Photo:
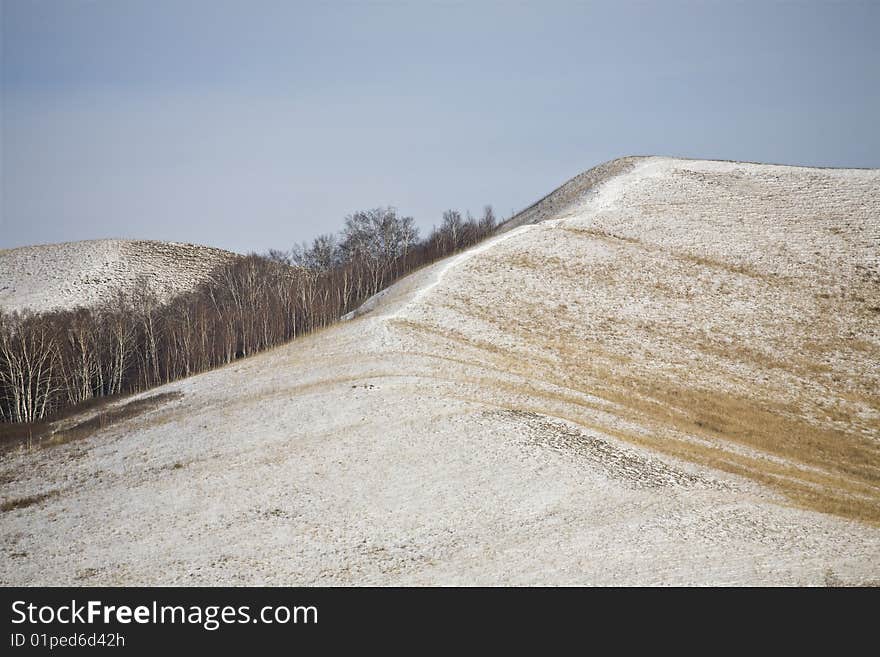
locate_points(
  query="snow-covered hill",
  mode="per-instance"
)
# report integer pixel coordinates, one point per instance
(65, 276)
(670, 378)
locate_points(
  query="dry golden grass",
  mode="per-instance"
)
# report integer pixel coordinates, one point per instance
(703, 261)
(24, 502)
(714, 263)
(527, 260)
(599, 234)
(768, 440)
(105, 414)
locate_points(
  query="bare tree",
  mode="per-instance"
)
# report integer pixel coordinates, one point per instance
(488, 220)
(281, 257)
(451, 229)
(29, 358)
(376, 239)
(321, 256)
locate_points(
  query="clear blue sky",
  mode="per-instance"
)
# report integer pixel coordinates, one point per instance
(255, 124)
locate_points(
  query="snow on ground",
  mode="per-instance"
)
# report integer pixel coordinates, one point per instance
(666, 381)
(65, 276)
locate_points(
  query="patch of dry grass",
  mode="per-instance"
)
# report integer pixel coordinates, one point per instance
(600, 234)
(700, 260)
(104, 415)
(818, 467)
(526, 260)
(24, 502)
(714, 263)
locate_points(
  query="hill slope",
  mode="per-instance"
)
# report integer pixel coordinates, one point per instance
(672, 378)
(65, 276)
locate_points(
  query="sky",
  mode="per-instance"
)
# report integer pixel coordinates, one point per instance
(257, 124)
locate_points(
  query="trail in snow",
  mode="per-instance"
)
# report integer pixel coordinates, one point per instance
(437, 273)
(596, 192)
(453, 262)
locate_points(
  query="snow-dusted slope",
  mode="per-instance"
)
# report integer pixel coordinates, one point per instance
(671, 379)
(53, 276)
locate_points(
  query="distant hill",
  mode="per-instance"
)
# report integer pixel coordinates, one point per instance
(65, 276)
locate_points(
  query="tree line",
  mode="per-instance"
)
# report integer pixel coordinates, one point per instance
(52, 361)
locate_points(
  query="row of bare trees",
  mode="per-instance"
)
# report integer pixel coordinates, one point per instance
(55, 360)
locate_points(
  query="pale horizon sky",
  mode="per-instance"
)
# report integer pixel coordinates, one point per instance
(255, 125)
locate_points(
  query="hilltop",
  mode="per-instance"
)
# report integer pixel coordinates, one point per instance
(76, 274)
